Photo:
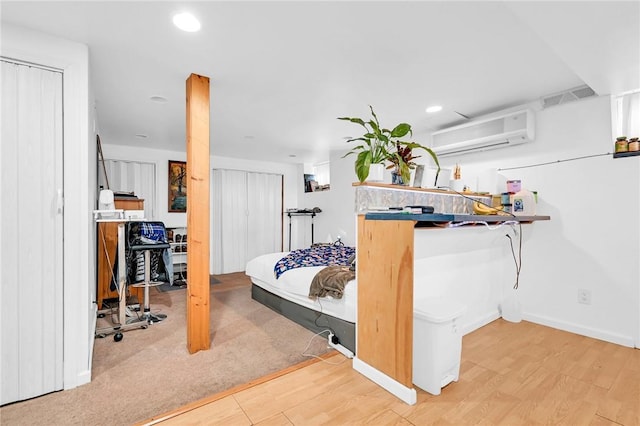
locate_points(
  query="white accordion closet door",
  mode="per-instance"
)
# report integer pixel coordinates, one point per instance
(31, 243)
(246, 218)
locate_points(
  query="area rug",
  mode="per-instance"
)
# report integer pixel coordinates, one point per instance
(151, 371)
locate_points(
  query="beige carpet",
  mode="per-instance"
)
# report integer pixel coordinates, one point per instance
(150, 371)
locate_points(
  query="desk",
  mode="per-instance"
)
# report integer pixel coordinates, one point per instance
(107, 243)
(385, 257)
(122, 284)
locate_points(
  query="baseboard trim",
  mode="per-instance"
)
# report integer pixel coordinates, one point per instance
(407, 395)
(594, 333)
(488, 318)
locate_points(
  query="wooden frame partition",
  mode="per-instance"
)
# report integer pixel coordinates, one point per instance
(385, 305)
(198, 215)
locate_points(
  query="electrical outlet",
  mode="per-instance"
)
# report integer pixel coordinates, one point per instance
(584, 296)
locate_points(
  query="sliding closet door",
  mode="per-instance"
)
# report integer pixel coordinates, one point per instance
(229, 230)
(132, 176)
(31, 232)
(264, 197)
(246, 218)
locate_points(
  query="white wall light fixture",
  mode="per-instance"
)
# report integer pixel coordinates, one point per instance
(186, 22)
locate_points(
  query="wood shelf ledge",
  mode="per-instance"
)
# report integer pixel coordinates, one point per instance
(626, 154)
(416, 189)
(453, 217)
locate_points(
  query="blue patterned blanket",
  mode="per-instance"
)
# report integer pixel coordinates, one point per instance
(324, 255)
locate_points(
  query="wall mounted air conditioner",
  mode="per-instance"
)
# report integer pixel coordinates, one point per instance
(502, 130)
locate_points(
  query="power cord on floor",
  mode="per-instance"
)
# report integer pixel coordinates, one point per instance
(316, 356)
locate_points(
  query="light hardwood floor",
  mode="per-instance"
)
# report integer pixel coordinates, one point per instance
(511, 374)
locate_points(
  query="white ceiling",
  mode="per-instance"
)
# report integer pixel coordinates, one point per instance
(282, 72)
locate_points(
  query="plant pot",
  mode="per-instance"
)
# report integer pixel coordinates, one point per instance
(396, 179)
(376, 173)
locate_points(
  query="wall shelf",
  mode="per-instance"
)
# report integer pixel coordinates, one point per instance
(625, 154)
(436, 218)
(178, 253)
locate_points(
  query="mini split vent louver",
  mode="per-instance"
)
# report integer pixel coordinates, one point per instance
(567, 96)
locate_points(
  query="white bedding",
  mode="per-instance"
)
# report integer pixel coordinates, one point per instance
(294, 284)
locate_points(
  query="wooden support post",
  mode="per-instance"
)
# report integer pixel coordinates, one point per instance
(198, 213)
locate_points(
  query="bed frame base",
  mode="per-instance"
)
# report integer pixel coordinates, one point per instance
(312, 320)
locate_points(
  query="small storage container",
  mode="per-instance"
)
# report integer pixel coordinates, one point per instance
(524, 203)
(437, 343)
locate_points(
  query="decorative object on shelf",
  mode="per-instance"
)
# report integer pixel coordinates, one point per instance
(418, 177)
(626, 148)
(177, 186)
(377, 141)
(376, 172)
(402, 162)
(378, 145)
(514, 186)
(621, 144)
(457, 184)
(396, 178)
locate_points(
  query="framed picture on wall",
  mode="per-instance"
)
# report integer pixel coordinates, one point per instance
(310, 183)
(177, 186)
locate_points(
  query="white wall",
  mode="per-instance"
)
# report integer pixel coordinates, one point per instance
(337, 204)
(591, 242)
(291, 177)
(592, 239)
(79, 189)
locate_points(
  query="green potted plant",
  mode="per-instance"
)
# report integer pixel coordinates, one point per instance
(377, 143)
(402, 161)
(380, 145)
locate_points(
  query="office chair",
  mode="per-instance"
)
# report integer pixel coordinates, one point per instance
(147, 244)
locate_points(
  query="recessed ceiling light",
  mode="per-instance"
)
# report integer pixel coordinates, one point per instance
(186, 22)
(159, 99)
(434, 108)
(141, 136)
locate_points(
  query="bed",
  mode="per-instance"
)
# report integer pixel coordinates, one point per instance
(283, 283)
